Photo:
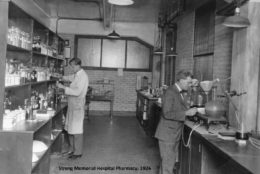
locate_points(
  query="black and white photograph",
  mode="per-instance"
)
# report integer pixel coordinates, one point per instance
(130, 87)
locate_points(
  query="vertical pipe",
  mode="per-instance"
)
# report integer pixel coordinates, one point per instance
(4, 8)
(258, 100)
(162, 74)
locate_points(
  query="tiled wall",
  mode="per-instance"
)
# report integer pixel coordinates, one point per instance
(125, 89)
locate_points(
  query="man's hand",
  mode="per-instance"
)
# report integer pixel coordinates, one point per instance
(191, 112)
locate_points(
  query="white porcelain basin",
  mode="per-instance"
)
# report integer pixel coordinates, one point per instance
(39, 147)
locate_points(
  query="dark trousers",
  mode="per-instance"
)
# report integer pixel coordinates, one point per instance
(76, 143)
(169, 154)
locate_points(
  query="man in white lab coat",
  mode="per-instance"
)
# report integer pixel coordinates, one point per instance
(76, 93)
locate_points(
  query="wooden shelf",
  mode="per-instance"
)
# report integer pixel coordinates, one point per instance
(30, 83)
(39, 54)
(15, 48)
(45, 55)
(16, 142)
(55, 58)
(17, 86)
(40, 82)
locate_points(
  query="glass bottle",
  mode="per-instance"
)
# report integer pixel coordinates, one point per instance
(34, 76)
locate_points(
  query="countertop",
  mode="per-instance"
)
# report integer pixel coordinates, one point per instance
(247, 156)
(213, 128)
(147, 95)
(26, 126)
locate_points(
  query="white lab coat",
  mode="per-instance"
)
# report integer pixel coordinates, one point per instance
(76, 101)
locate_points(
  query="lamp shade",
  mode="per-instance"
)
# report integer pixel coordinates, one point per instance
(113, 35)
(236, 21)
(121, 2)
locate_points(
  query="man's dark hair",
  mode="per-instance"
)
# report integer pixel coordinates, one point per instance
(182, 74)
(76, 60)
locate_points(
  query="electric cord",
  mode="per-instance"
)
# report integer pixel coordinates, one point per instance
(189, 138)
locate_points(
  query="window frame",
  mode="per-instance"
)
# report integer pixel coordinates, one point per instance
(126, 39)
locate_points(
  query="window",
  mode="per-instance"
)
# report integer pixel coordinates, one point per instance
(90, 50)
(204, 29)
(204, 41)
(98, 52)
(113, 53)
(137, 55)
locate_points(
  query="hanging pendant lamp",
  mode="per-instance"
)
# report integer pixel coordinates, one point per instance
(236, 21)
(113, 35)
(121, 2)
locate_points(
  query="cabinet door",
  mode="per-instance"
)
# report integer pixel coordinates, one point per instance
(140, 108)
(195, 160)
(214, 162)
(155, 118)
(185, 153)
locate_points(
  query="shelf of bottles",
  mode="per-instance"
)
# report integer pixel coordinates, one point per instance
(18, 39)
(18, 74)
(36, 61)
(41, 48)
(34, 56)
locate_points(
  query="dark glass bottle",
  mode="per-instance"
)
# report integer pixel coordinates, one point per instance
(34, 76)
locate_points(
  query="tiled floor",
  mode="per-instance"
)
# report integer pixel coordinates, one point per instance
(118, 147)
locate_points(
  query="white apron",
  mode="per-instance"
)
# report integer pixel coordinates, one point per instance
(76, 102)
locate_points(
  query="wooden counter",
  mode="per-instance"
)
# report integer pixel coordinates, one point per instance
(147, 113)
(17, 143)
(147, 96)
(247, 157)
(209, 154)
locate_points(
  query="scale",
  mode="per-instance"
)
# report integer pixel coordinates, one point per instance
(207, 121)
